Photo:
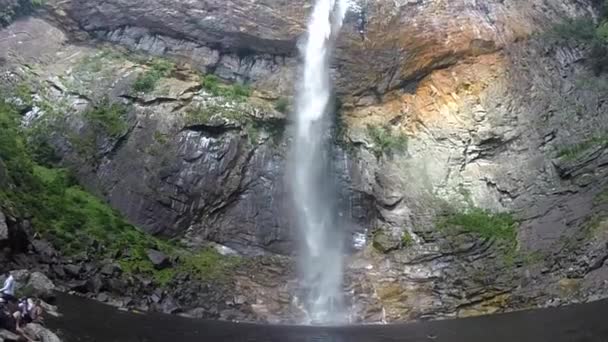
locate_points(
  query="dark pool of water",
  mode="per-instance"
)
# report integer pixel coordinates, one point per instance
(88, 321)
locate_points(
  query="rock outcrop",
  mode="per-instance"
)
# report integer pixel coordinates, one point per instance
(498, 118)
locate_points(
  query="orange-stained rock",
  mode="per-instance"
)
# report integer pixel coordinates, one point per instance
(437, 99)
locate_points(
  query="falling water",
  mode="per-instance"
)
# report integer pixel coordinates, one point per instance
(314, 198)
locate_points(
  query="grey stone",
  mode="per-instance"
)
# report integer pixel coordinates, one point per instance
(158, 259)
(111, 269)
(94, 284)
(44, 248)
(6, 335)
(41, 286)
(40, 333)
(103, 297)
(169, 306)
(72, 270)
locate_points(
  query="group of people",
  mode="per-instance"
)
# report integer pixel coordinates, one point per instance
(18, 312)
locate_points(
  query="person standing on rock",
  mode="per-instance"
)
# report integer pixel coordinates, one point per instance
(8, 290)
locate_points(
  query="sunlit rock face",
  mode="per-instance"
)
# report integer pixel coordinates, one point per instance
(485, 100)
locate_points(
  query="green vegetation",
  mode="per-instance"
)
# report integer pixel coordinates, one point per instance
(385, 141)
(282, 105)
(24, 93)
(406, 239)
(499, 226)
(236, 92)
(203, 115)
(584, 30)
(108, 118)
(161, 138)
(575, 151)
(75, 221)
(147, 80)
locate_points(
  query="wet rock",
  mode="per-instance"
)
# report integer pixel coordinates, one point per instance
(103, 297)
(6, 335)
(79, 286)
(158, 259)
(196, 313)
(169, 306)
(40, 333)
(72, 270)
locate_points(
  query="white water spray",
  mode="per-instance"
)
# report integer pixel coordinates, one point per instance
(321, 259)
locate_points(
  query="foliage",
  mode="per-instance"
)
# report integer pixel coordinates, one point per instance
(202, 115)
(406, 239)
(24, 93)
(500, 226)
(161, 138)
(385, 141)
(575, 151)
(282, 105)
(236, 92)
(75, 221)
(108, 118)
(147, 80)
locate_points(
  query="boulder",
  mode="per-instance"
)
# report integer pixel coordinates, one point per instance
(111, 269)
(44, 249)
(40, 285)
(40, 333)
(94, 284)
(58, 271)
(78, 286)
(72, 270)
(158, 259)
(6, 335)
(103, 297)
(32, 284)
(169, 306)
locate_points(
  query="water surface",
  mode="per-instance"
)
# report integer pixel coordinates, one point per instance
(89, 321)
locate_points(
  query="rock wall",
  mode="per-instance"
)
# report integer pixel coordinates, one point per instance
(486, 101)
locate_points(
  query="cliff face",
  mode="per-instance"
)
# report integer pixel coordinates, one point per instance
(498, 117)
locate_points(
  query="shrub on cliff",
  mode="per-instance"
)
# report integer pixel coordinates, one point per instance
(486, 224)
(385, 141)
(213, 85)
(147, 80)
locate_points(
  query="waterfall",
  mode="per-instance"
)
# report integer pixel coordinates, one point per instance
(321, 254)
